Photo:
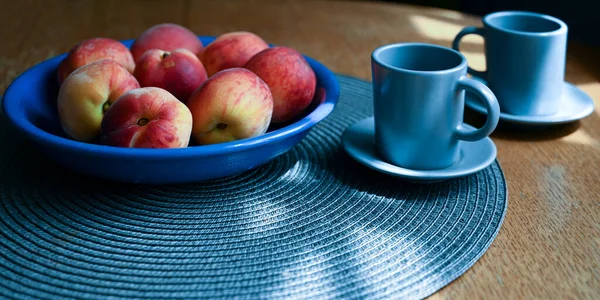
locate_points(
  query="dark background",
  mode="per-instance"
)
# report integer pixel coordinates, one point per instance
(581, 16)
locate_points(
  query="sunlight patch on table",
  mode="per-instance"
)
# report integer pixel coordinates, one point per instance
(591, 89)
(291, 175)
(367, 252)
(476, 60)
(580, 137)
(441, 30)
(311, 270)
(451, 14)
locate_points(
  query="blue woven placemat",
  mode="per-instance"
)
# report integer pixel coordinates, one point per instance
(312, 224)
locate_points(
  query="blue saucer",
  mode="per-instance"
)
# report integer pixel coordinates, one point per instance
(358, 141)
(575, 105)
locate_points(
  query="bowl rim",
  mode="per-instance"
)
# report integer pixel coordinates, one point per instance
(16, 115)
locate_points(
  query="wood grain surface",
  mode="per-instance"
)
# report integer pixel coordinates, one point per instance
(548, 247)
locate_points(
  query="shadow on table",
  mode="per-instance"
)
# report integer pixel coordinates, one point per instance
(361, 178)
(510, 131)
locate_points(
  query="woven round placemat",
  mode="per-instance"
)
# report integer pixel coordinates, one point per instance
(311, 224)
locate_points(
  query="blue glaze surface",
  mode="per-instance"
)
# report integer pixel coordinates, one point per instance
(418, 101)
(358, 141)
(574, 105)
(525, 56)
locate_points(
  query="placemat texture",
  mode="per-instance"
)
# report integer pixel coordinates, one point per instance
(312, 224)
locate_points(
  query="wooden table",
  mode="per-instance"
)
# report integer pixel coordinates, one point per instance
(549, 244)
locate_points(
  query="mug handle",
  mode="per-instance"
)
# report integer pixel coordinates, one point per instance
(491, 104)
(456, 42)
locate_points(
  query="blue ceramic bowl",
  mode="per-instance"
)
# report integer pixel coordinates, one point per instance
(29, 104)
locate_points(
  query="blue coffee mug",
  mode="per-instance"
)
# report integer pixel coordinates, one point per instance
(525, 57)
(418, 100)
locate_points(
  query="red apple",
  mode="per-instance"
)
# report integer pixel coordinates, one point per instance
(167, 37)
(147, 117)
(289, 76)
(87, 93)
(229, 50)
(231, 105)
(95, 49)
(179, 72)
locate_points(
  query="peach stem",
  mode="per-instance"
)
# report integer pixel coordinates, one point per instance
(105, 107)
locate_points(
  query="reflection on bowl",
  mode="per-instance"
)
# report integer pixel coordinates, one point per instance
(30, 105)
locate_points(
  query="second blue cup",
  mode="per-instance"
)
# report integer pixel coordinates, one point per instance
(525, 55)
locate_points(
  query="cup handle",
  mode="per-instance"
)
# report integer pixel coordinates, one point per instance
(491, 104)
(456, 43)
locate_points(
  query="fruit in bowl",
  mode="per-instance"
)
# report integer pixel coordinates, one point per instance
(233, 104)
(87, 93)
(147, 117)
(31, 104)
(290, 78)
(166, 37)
(93, 49)
(231, 49)
(180, 72)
